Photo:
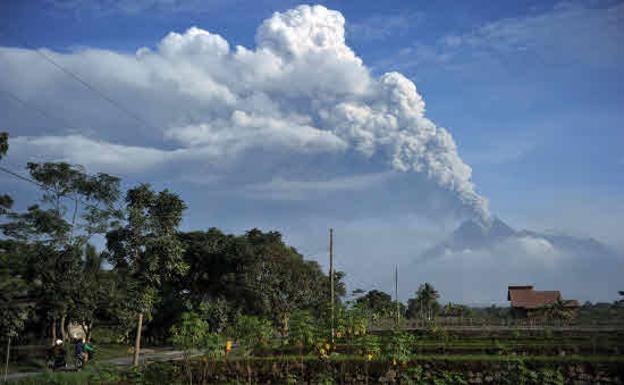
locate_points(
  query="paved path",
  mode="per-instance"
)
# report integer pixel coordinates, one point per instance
(146, 355)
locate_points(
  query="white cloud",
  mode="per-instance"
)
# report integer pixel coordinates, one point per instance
(569, 33)
(107, 7)
(92, 154)
(280, 188)
(380, 27)
(243, 130)
(301, 92)
(533, 260)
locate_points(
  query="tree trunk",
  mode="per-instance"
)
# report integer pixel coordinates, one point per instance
(285, 319)
(189, 368)
(248, 370)
(53, 330)
(85, 331)
(137, 341)
(63, 330)
(6, 365)
(89, 330)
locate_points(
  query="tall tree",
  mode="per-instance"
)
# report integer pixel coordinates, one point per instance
(6, 202)
(377, 303)
(559, 311)
(281, 280)
(147, 249)
(73, 207)
(425, 305)
(96, 295)
(13, 288)
(14, 299)
(4, 144)
(256, 273)
(14, 303)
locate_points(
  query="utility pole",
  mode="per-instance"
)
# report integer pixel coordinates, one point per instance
(396, 293)
(331, 279)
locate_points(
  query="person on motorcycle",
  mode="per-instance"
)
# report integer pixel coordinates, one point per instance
(89, 349)
(56, 356)
(81, 354)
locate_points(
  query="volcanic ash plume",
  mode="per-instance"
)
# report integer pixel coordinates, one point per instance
(300, 91)
(383, 116)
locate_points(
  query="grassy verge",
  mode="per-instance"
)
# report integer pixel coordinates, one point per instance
(450, 358)
(38, 363)
(223, 372)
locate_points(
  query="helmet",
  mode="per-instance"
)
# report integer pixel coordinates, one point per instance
(59, 342)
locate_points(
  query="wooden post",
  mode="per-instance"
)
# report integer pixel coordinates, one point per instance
(137, 341)
(396, 292)
(6, 365)
(331, 280)
(53, 331)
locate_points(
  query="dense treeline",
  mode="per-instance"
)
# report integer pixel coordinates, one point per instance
(149, 273)
(149, 279)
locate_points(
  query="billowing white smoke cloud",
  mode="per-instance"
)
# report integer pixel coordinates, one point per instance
(301, 90)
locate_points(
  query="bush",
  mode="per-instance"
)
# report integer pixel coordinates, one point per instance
(107, 336)
(303, 332)
(251, 332)
(399, 346)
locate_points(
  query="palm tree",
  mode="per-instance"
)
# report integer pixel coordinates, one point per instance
(426, 299)
(559, 311)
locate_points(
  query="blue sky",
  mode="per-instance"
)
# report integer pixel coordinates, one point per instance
(530, 91)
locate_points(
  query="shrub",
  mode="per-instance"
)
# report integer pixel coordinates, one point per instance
(303, 332)
(399, 346)
(108, 336)
(251, 332)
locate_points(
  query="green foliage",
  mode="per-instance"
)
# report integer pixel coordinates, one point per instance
(399, 346)
(379, 305)
(93, 374)
(148, 247)
(303, 330)
(256, 273)
(190, 332)
(108, 336)
(551, 377)
(73, 207)
(251, 332)
(558, 311)
(351, 322)
(448, 378)
(147, 251)
(425, 305)
(281, 280)
(218, 313)
(368, 346)
(4, 143)
(14, 304)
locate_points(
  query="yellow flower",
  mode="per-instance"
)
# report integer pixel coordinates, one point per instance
(228, 346)
(327, 346)
(370, 356)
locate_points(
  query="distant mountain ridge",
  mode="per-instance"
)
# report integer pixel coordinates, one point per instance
(472, 235)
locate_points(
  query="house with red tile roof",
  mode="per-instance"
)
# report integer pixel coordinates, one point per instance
(525, 300)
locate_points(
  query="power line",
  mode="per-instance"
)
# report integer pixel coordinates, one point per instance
(82, 81)
(15, 174)
(40, 185)
(40, 111)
